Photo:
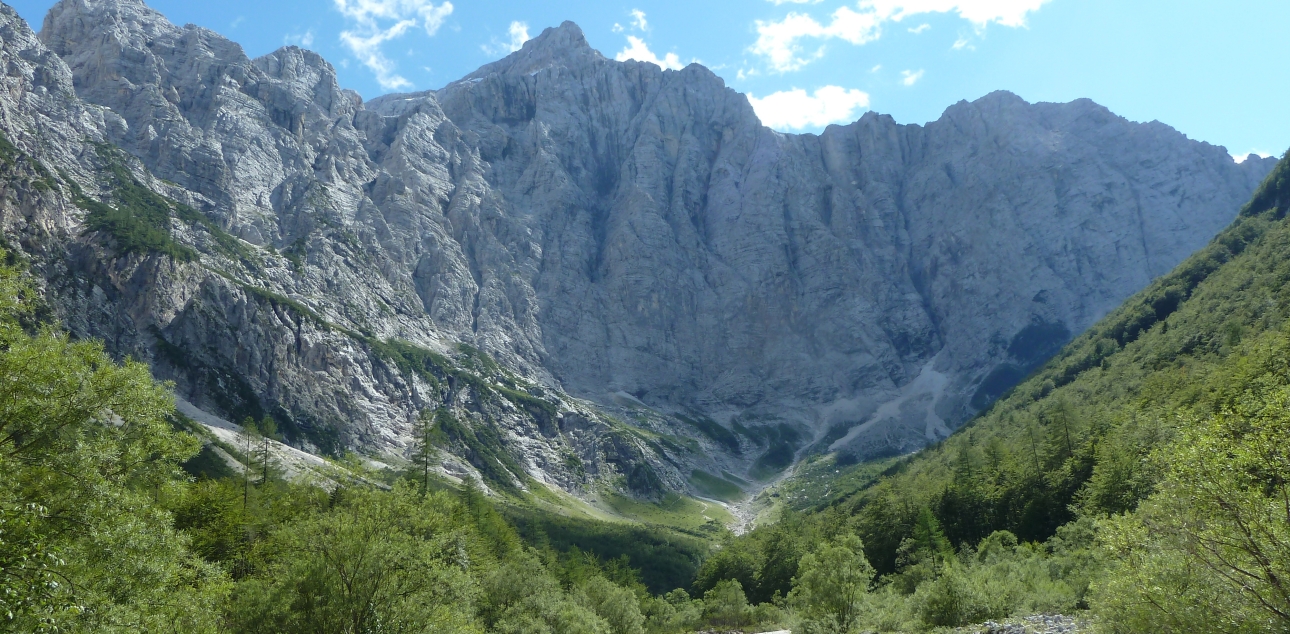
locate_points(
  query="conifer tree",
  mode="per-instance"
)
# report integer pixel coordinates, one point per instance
(928, 542)
(250, 438)
(423, 449)
(267, 432)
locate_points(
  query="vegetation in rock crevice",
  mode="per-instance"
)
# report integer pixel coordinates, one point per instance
(139, 219)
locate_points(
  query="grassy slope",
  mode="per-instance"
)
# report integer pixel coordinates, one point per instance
(664, 542)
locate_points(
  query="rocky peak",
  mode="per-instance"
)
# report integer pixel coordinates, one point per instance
(175, 89)
(127, 15)
(292, 62)
(309, 80)
(133, 27)
(562, 46)
(566, 40)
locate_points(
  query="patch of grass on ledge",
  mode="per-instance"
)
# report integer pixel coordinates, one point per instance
(282, 301)
(10, 156)
(224, 241)
(411, 359)
(714, 431)
(139, 219)
(287, 303)
(433, 367)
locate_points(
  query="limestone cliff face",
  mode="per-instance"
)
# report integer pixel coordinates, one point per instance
(664, 284)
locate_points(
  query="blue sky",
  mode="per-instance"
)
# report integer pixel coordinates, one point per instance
(1214, 70)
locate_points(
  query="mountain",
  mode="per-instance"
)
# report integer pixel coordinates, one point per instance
(603, 273)
(1140, 473)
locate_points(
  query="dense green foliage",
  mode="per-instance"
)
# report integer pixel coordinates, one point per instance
(1209, 550)
(831, 585)
(87, 456)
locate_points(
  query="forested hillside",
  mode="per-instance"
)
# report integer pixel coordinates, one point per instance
(1141, 473)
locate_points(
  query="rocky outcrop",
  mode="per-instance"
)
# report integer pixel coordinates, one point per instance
(606, 272)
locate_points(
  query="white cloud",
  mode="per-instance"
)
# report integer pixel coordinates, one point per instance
(979, 12)
(779, 42)
(1242, 158)
(519, 32)
(795, 109)
(876, 68)
(911, 77)
(375, 22)
(303, 40)
(238, 21)
(962, 43)
(638, 50)
(920, 28)
(638, 20)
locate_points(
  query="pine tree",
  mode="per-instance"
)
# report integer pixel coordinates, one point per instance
(424, 455)
(250, 437)
(928, 542)
(264, 458)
